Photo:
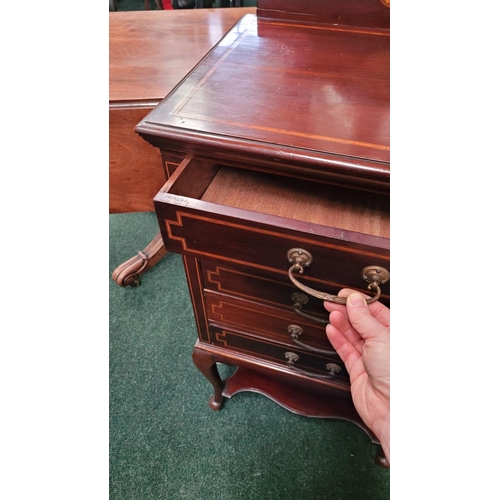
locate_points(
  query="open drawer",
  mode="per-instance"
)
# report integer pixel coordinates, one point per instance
(251, 218)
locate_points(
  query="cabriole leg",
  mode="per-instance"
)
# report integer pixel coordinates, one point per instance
(207, 366)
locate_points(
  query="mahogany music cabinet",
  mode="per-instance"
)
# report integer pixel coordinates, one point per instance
(281, 197)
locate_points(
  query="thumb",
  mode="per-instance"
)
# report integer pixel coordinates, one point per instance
(361, 319)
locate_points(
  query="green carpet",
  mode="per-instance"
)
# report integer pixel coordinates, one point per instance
(165, 441)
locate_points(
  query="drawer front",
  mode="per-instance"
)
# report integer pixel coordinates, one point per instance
(268, 323)
(311, 365)
(266, 287)
(229, 235)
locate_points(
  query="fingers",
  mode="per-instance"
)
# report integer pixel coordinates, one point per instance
(340, 321)
(345, 349)
(345, 292)
(361, 318)
(377, 309)
(332, 306)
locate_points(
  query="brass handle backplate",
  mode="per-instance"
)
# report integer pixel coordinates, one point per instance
(300, 258)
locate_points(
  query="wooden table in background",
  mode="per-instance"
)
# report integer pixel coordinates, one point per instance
(149, 53)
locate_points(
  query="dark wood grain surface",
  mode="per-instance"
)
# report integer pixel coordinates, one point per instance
(299, 97)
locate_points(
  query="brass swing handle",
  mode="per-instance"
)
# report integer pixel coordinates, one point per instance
(300, 258)
(295, 331)
(332, 368)
(299, 299)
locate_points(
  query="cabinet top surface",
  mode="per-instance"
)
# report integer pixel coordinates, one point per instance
(296, 91)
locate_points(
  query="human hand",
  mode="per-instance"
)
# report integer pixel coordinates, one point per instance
(360, 334)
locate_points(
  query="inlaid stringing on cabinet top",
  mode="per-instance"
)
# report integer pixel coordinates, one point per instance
(323, 204)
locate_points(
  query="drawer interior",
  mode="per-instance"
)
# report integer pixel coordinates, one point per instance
(313, 202)
(308, 201)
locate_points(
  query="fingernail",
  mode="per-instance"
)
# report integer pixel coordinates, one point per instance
(356, 300)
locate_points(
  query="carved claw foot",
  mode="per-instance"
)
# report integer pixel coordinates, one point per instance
(128, 273)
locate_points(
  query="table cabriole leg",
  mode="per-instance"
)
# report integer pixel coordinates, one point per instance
(128, 273)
